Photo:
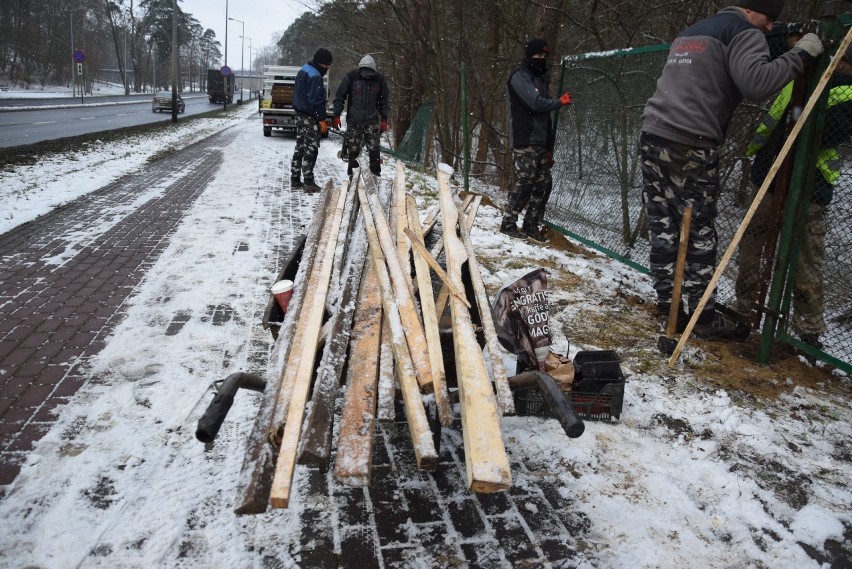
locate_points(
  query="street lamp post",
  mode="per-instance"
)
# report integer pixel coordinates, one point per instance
(249, 40)
(242, 51)
(225, 79)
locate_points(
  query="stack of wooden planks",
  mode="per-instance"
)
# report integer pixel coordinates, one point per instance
(358, 306)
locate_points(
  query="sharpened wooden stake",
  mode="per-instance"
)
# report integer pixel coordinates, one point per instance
(501, 382)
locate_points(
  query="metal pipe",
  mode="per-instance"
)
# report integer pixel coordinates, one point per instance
(214, 416)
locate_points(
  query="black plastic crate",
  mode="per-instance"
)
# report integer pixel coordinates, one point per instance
(598, 391)
(530, 401)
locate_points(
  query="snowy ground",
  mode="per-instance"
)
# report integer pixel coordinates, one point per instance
(692, 475)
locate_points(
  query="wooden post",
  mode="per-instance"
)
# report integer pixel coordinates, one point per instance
(315, 447)
(485, 455)
(501, 382)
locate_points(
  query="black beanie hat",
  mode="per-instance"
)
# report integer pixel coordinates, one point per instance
(322, 56)
(536, 46)
(769, 8)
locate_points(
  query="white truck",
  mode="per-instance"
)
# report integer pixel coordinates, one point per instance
(276, 98)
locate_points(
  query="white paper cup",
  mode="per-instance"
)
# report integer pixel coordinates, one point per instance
(282, 291)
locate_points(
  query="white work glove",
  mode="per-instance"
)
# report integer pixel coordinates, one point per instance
(811, 44)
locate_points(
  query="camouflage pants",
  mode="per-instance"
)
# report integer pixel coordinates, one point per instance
(808, 299)
(533, 185)
(355, 137)
(675, 176)
(307, 148)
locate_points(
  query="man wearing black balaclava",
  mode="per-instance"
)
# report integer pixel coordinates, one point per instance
(531, 137)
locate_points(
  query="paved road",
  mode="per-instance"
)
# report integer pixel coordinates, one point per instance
(50, 119)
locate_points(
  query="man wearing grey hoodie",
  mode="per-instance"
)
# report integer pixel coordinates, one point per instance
(367, 96)
(711, 66)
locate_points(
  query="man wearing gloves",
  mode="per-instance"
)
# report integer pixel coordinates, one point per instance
(309, 101)
(711, 66)
(531, 137)
(367, 98)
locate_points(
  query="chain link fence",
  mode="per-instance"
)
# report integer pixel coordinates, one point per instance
(796, 292)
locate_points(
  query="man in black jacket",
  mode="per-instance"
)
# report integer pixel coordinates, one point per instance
(531, 137)
(711, 66)
(366, 93)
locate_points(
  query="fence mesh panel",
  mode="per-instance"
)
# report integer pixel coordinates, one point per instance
(598, 182)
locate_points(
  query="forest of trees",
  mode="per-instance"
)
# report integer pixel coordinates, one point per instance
(419, 44)
(128, 42)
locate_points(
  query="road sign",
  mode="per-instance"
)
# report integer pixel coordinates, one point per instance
(79, 69)
(79, 56)
(225, 70)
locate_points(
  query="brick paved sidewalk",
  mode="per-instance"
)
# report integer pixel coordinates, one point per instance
(60, 300)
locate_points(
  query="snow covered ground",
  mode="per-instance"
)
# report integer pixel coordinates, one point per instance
(694, 475)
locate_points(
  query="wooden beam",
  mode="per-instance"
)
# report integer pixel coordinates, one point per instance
(386, 411)
(399, 222)
(300, 375)
(418, 424)
(261, 448)
(485, 455)
(315, 444)
(427, 307)
(353, 460)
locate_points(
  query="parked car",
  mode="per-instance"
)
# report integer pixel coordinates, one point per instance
(162, 101)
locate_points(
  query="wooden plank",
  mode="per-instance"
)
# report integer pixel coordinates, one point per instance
(501, 382)
(262, 447)
(411, 324)
(300, 375)
(418, 425)
(353, 460)
(315, 443)
(386, 411)
(427, 307)
(485, 455)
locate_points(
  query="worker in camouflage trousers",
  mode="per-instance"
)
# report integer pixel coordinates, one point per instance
(367, 96)
(711, 66)
(309, 101)
(531, 136)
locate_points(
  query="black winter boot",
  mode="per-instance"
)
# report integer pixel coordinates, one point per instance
(714, 325)
(295, 182)
(534, 233)
(511, 229)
